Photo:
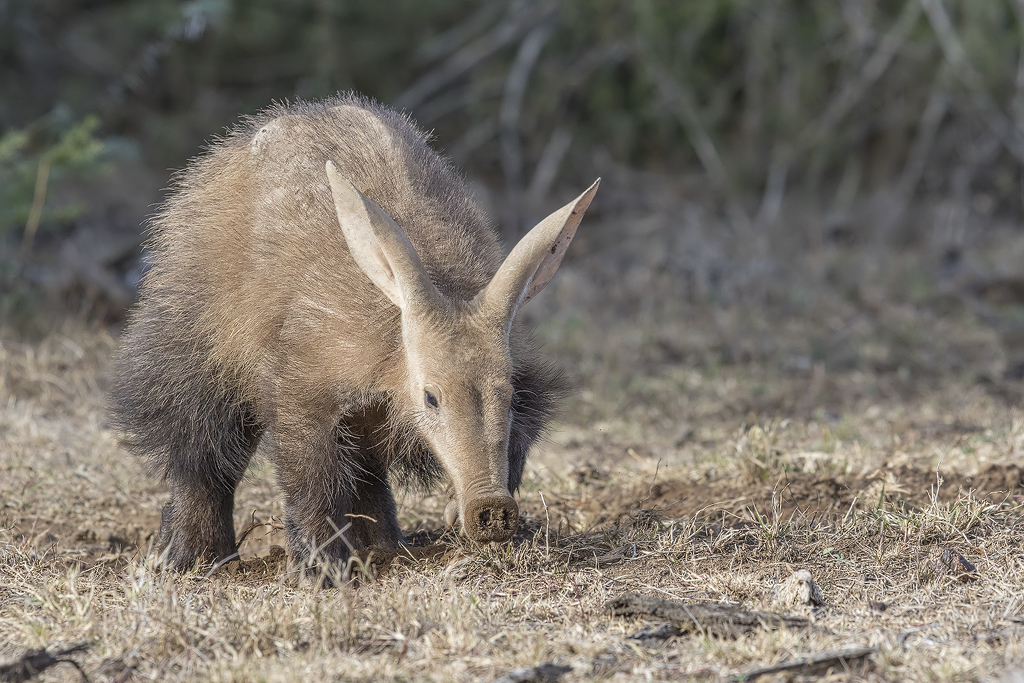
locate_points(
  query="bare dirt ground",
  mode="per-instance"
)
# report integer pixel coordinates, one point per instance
(710, 453)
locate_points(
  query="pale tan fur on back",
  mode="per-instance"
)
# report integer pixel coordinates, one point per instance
(252, 233)
(280, 304)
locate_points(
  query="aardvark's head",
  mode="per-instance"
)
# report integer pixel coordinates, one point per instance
(459, 367)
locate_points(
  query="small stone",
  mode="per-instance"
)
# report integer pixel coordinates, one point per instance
(800, 589)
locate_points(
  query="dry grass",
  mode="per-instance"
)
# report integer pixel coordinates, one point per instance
(710, 453)
(77, 516)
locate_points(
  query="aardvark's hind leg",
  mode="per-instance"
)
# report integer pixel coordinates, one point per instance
(197, 521)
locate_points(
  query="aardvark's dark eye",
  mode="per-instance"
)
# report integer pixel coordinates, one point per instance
(430, 399)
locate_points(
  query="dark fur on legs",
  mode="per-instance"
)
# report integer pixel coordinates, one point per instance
(201, 438)
(197, 522)
(193, 432)
(353, 507)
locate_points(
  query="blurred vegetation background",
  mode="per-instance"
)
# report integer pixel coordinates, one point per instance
(764, 152)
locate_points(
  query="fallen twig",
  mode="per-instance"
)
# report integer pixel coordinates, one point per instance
(253, 525)
(812, 664)
(35, 662)
(725, 621)
(542, 673)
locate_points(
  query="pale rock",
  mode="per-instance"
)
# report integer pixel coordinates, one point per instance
(800, 589)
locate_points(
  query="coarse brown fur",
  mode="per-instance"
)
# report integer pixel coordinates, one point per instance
(254, 319)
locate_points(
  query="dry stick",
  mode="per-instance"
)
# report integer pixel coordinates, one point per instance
(34, 662)
(1018, 95)
(255, 525)
(650, 491)
(775, 188)
(446, 43)
(502, 35)
(680, 100)
(508, 119)
(547, 525)
(955, 54)
(547, 167)
(353, 560)
(38, 199)
(812, 664)
(713, 618)
(362, 517)
(854, 91)
(471, 139)
(927, 129)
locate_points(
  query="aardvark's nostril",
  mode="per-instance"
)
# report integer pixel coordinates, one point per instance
(492, 518)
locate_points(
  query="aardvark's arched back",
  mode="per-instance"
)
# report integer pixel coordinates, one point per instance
(321, 278)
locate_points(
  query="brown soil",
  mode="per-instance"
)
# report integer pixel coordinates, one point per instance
(598, 506)
(791, 493)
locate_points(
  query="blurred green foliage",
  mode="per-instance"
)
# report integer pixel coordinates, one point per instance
(33, 167)
(816, 93)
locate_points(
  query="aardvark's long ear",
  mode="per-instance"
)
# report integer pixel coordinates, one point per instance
(379, 246)
(534, 260)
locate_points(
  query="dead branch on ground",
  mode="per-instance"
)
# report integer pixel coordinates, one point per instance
(710, 618)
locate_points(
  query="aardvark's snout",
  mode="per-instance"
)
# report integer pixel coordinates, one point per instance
(488, 518)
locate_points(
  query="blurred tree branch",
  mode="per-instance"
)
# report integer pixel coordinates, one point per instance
(955, 54)
(855, 89)
(765, 101)
(521, 17)
(508, 118)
